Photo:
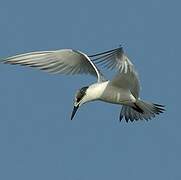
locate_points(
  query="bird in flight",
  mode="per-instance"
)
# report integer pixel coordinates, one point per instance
(123, 89)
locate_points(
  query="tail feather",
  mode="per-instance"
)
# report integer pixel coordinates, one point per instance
(140, 110)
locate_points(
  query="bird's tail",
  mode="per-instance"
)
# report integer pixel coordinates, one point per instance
(140, 110)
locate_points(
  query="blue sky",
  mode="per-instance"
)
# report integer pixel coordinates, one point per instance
(37, 138)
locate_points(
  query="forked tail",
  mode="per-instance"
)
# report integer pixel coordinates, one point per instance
(140, 110)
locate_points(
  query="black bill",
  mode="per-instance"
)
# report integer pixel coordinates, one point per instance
(74, 111)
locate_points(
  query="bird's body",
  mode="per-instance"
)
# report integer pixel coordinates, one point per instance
(105, 92)
(95, 91)
(123, 89)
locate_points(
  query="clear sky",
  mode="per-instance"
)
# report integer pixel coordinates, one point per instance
(37, 138)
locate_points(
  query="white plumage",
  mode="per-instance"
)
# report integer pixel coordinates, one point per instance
(123, 89)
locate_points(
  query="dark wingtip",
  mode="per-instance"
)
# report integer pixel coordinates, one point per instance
(120, 117)
(120, 47)
(159, 105)
(160, 108)
(126, 118)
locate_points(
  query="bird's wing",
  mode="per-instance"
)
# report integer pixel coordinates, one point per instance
(126, 77)
(65, 61)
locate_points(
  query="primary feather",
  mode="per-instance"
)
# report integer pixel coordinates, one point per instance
(65, 61)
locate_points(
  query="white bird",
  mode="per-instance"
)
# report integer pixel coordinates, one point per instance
(123, 89)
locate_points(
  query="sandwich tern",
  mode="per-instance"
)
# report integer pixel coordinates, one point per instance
(123, 89)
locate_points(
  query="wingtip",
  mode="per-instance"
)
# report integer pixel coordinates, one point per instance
(4, 61)
(120, 117)
(120, 47)
(160, 105)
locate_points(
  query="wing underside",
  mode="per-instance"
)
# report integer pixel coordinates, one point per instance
(65, 61)
(126, 77)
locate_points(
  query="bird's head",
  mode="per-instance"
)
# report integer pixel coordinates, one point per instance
(80, 98)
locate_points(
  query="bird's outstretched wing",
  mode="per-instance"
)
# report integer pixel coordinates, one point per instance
(64, 61)
(126, 77)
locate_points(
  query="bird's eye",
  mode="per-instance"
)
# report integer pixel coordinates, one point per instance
(78, 99)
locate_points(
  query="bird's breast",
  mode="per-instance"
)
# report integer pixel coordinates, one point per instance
(95, 91)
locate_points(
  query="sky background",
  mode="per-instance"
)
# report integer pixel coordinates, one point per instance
(37, 138)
